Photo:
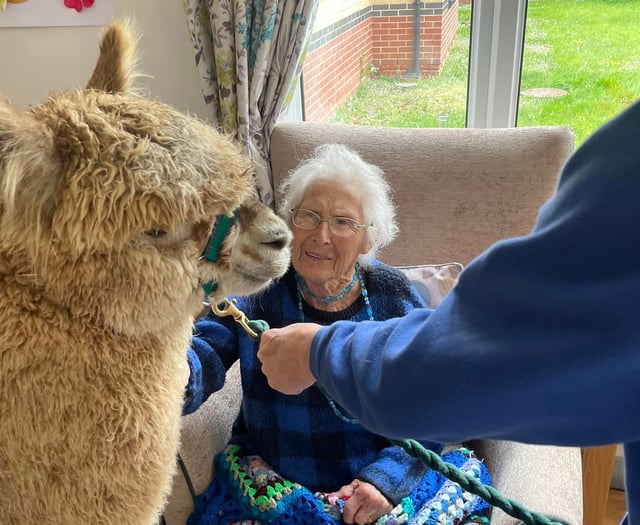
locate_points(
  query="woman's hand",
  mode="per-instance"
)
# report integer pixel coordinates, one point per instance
(365, 503)
(284, 353)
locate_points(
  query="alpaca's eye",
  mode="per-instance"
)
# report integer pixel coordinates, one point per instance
(155, 233)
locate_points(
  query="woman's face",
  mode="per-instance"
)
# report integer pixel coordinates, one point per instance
(319, 255)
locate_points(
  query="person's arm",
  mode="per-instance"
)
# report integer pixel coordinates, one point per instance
(395, 473)
(538, 342)
(213, 350)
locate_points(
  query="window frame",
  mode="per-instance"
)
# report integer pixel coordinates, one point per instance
(495, 62)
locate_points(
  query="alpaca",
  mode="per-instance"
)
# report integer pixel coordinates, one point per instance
(107, 201)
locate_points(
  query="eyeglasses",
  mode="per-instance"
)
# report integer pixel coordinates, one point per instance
(340, 226)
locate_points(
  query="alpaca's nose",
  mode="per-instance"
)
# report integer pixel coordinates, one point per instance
(281, 240)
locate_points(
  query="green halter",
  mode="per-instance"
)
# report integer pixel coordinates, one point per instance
(219, 232)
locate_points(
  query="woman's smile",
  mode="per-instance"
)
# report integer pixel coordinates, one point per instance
(317, 256)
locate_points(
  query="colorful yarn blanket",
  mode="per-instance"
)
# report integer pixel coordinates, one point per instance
(247, 491)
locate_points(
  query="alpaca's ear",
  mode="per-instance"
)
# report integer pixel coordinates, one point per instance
(27, 163)
(114, 72)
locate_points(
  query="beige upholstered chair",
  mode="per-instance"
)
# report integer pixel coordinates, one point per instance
(458, 191)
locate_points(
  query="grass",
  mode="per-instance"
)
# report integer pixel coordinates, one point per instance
(590, 48)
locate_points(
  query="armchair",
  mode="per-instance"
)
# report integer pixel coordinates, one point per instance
(458, 190)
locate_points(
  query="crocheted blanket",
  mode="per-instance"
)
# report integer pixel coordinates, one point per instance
(247, 491)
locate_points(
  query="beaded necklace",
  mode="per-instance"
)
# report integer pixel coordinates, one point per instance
(330, 298)
(356, 275)
(365, 296)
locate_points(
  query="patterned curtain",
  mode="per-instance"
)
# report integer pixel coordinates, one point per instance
(249, 54)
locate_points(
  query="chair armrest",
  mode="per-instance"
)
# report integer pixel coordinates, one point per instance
(546, 479)
(204, 433)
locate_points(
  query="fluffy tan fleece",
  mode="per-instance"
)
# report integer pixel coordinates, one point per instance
(106, 202)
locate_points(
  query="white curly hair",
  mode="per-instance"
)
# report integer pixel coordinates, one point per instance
(340, 164)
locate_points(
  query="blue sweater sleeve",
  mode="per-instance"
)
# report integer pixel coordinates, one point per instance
(539, 340)
(395, 473)
(213, 350)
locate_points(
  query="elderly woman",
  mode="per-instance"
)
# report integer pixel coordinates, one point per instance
(302, 459)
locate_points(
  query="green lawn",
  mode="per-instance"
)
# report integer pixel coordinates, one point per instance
(590, 48)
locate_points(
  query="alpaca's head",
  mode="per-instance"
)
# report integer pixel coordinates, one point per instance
(107, 201)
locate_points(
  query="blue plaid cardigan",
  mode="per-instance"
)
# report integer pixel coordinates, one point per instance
(301, 436)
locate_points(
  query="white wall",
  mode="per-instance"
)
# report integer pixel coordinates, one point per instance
(36, 61)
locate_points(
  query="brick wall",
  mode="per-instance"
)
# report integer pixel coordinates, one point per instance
(340, 55)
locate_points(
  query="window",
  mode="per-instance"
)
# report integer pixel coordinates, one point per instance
(480, 63)
(580, 65)
(386, 51)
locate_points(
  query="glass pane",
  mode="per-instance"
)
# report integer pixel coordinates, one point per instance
(580, 64)
(362, 67)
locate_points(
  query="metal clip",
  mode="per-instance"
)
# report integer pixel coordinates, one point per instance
(226, 308)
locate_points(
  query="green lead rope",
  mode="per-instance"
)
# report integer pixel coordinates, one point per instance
(468, 482)
(474, 485)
